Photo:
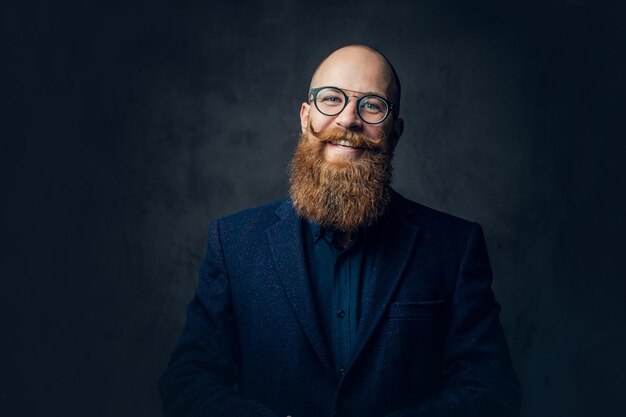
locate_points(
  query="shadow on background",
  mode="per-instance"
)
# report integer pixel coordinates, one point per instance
(130, 125)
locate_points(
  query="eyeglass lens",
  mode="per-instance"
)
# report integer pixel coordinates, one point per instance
(331, 101)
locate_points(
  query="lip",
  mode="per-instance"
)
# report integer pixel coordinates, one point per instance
(345, 144)
(345, 147)
(335, 151)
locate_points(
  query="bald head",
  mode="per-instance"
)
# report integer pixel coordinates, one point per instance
(359, 68)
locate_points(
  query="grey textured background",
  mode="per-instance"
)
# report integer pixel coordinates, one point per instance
(129, 126)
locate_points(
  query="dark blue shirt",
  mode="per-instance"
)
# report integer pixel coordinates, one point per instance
(338, 278)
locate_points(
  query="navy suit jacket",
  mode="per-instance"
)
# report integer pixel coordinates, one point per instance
(429, 341)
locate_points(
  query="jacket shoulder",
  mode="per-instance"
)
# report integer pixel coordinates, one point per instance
(261, 216)
(428, 217)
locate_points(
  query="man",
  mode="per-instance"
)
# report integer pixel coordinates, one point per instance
(346, 299)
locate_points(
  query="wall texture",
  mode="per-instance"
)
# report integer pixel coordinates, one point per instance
(130, 125)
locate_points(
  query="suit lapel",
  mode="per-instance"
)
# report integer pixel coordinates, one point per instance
(286, 243)
(397, 240)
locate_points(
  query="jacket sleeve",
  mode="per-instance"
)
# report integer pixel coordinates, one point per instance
(478, 379)
(201, 379)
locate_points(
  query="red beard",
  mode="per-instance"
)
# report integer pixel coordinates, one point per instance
(346, 194)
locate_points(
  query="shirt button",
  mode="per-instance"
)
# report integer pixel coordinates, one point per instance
(340, 314)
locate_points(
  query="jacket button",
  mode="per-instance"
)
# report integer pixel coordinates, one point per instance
(340, 372)
(341, 314)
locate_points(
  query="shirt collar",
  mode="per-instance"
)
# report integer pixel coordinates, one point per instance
(328, 233)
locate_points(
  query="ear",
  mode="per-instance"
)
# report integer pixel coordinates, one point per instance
(398, 128)
(304, 116)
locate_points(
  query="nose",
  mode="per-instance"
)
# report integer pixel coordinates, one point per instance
(349, 118)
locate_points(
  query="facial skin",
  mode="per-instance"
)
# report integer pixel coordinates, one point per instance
(357, 70)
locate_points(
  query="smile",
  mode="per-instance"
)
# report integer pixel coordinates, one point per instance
(346, 144)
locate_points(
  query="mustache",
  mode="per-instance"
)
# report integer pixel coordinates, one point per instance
(357, 139)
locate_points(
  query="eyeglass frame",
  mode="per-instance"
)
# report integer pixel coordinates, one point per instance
(313, 92)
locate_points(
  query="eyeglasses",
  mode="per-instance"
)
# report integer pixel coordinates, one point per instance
(331, 101)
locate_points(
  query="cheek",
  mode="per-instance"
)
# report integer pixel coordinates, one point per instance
(320, 122)
(375, 131)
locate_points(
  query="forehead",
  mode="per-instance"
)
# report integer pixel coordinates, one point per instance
(356, 69)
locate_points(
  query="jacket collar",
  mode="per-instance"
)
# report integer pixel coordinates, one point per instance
(287, 247)
(398, 238)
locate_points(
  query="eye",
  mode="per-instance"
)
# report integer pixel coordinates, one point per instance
(330, 97)
(373, 105)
